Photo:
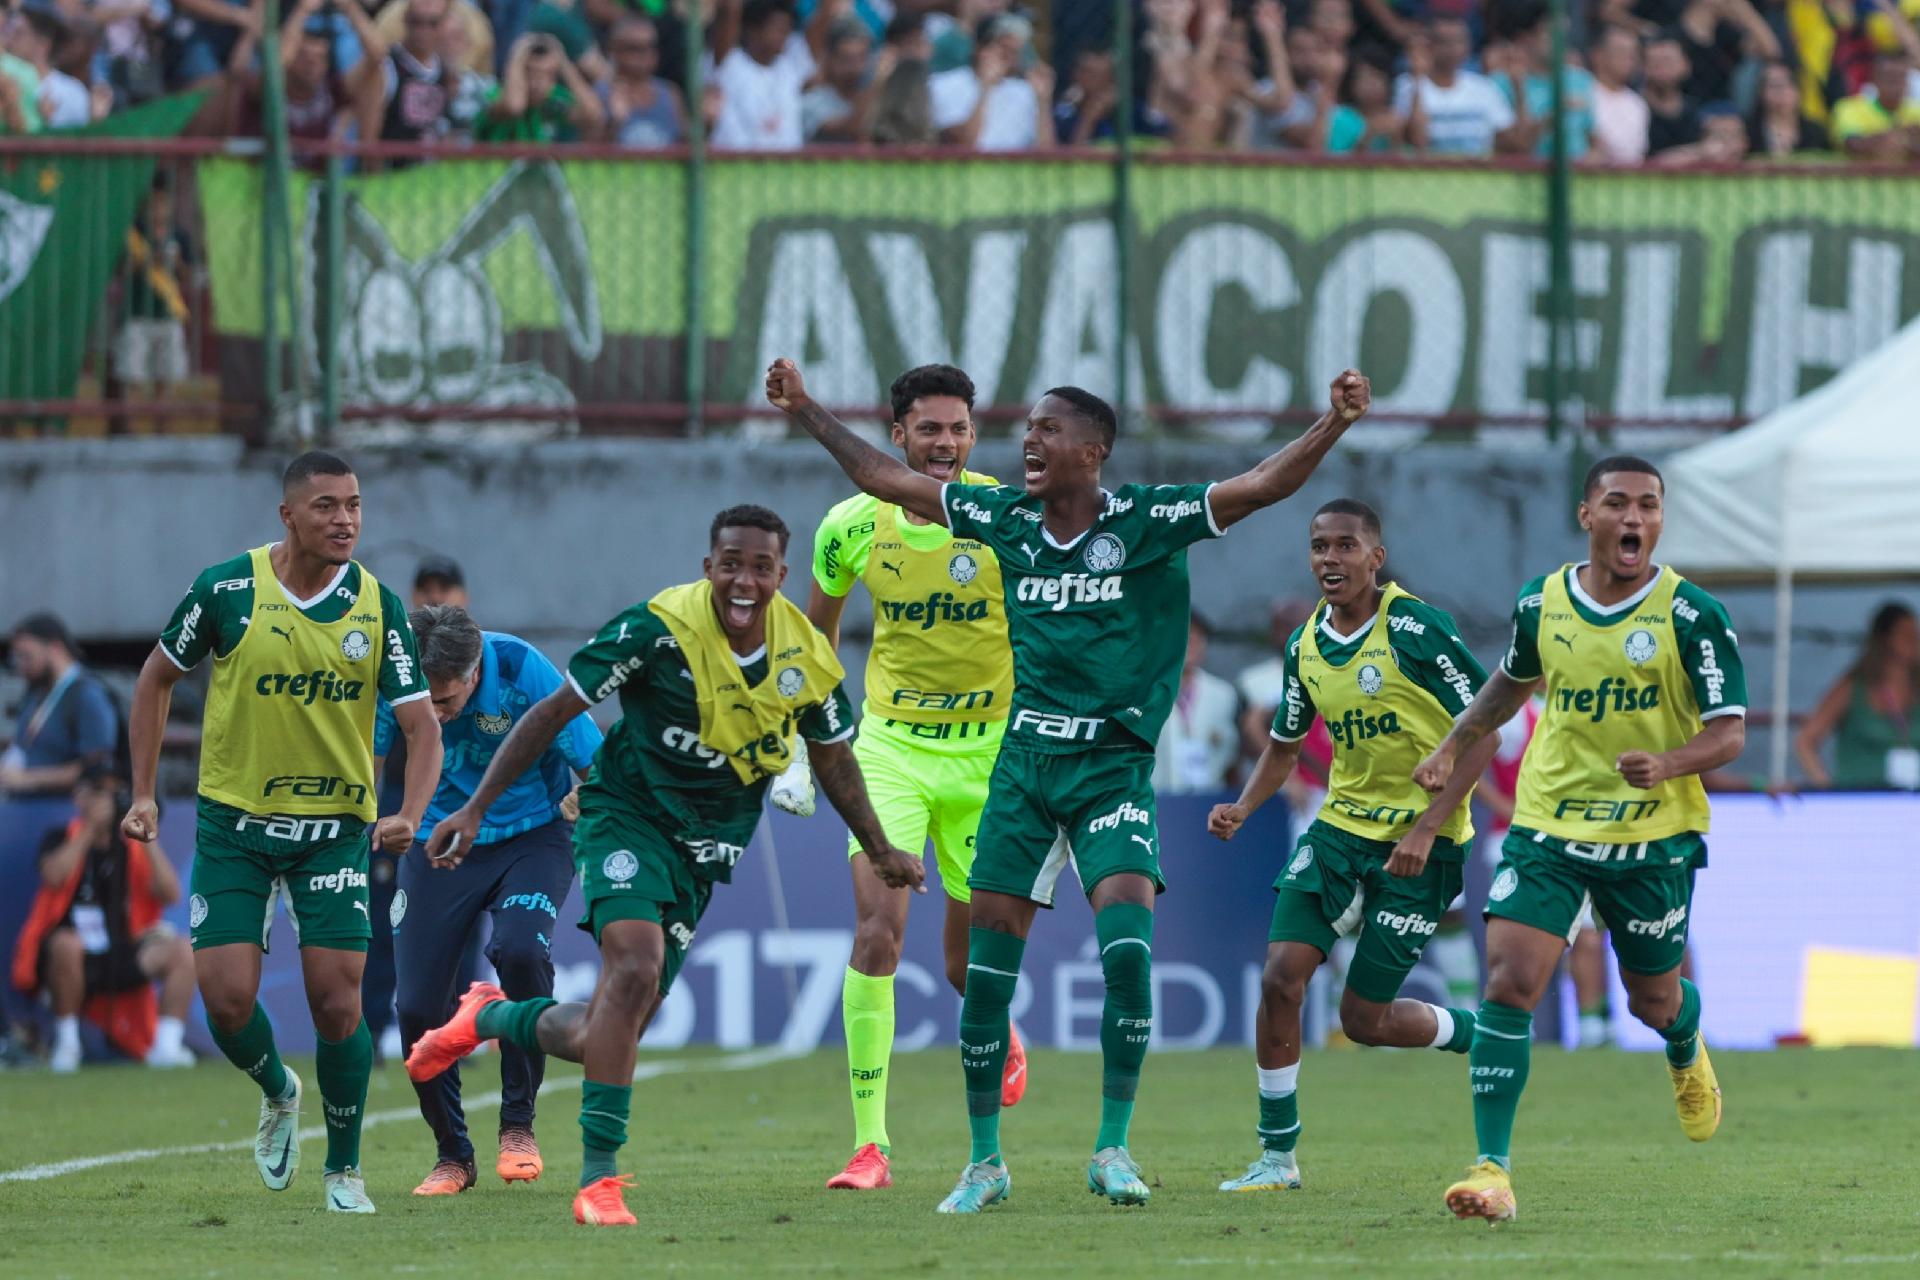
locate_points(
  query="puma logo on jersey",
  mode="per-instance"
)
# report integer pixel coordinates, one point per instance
(891, 567)
(284, 635)
(1565, 640)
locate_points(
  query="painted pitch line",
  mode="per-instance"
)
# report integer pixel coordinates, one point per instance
(742, 1061)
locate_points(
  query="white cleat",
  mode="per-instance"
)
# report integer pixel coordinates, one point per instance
(167, 1059)
(1273, 1171)
(347, 1192)
(276, 1148)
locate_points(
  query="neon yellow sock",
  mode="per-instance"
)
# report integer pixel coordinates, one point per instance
(866, 1007)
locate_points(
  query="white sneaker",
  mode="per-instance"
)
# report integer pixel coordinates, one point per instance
(390, 1043)
(169, 1056)
(276, 1148)
(347, 1192)
(65, 1058)
(1273, 1171)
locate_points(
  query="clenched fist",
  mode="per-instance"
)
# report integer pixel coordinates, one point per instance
(1352, 395)
(1226, 820)
(785, 390)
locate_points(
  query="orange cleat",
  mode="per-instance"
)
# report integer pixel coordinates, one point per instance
(603, 1203)
(519, 1157)
(1013, 1083)
(449, 1178)
(867, 1171)
(443, 1046)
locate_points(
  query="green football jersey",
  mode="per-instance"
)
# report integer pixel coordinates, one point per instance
(1099, 625)
(653, 762)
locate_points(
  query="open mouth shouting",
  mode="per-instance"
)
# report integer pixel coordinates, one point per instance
(739, 611)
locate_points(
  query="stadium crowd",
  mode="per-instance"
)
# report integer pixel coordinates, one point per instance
(1660, 82)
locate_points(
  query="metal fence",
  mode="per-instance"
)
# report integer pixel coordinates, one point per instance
(541, 287)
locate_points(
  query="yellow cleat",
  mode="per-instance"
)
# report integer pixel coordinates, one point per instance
(1696, 1095)
(1486, 1192)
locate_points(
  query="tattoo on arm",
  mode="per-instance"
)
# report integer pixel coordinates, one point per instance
(839, 776)
(1496, 703)
(875, 472)
(530, 738)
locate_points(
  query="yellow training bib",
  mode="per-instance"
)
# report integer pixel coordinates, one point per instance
(1611, 688)
(289, 721)
(940, 651)
(1382, 724)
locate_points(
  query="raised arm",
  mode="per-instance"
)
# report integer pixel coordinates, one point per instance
(880, 474)
(1281, 475)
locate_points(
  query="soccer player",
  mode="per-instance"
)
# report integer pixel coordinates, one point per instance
(1644, 693)
(304, 641)
(518, 872)
(714, 679)
(939, 677)
(1387, 673)
(1095, 585)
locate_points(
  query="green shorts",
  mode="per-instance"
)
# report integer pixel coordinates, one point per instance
(1642, 893)
(1092, 808)
(244, 863)
(1337, 885)
(920, 793)
(631, 870)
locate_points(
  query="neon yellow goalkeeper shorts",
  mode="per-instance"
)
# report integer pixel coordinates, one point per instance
(921, 791)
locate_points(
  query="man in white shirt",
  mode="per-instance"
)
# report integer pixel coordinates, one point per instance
(1620, 115)
(33, 32)
(1200, 744)
(761, 77)
(1467, 115)
(986, 106)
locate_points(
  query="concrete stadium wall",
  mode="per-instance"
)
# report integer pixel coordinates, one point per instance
(557, 536)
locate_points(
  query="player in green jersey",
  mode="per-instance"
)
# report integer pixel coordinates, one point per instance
(1388, 673)
(714, 679)
(1095, 585)
(1644, 693)
(304, 642)
(939, 676)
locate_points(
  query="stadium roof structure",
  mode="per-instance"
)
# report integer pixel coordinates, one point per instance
(1826, 489)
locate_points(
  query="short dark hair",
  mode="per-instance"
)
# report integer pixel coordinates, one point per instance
(1369, 518)
(749, 516)
(929, 380)
(314, 462)
(1093, 409)
(449, 640)
(47, 628)
(439, 569)
(758, 12)
(1620, 462)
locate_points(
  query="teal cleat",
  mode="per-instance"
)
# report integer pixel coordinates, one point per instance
(276, 1147)
(1113, 1174)
(1273, 1171)
(347, 1192)
(982, 1183)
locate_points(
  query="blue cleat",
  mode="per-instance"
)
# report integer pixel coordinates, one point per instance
(1113, 1174)
(982, 1183)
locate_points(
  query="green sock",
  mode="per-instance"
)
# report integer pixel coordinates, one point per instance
(1462, 1038)
(993, 969)
(513, 1021)
(342, 1068)
(1502, 1050)
(1683, 1034)
(251, 1049)
(1279, 1107)
(866, 1009)
(1125, 934)
(603, 1126)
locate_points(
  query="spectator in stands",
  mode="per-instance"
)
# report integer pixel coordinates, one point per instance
(760, 76)
(644, 109)
(1364, 119)
(33, 32)
(907, 36)
(1085, 111)
(1778, 127)
(1332, 21)
(203, 36)
(991, 105)
(419, 84)
(840, 108)
(542, 98)
(150, 351)
(1199, 748)
(953, 33)
(1723, 135)
(1673, 119)
(1286, 101)
(1882, 121)
(1523, 70)
(67, 720)
(322, 99)
(1467, 114)
(1719, 37)
(94, 941)
(1834, 42)
(581, 39)
(904, 114)
(439, 21)
(1620, 115)
(1870, 711)
(127, 64)
(1222, 98)
(19, 95)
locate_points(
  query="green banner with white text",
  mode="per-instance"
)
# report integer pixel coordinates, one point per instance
(63, 231)
(556, 286)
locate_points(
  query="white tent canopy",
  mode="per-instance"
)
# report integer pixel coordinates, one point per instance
(1827, 486)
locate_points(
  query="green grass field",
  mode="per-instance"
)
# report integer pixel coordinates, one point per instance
(1814, 1169)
